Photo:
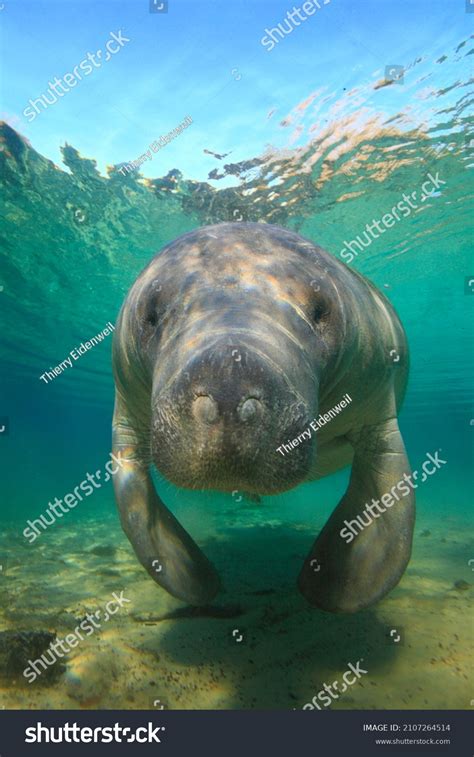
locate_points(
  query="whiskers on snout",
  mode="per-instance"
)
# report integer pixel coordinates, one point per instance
(207, 444)
(216, 422)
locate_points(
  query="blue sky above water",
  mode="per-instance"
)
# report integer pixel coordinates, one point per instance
(204, 60)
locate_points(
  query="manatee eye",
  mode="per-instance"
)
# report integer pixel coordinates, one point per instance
(149, 323)
(320, 312)
(152, 318)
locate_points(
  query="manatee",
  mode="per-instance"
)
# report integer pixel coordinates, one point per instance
(229, 344)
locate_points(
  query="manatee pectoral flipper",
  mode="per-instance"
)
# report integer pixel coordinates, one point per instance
(161, 544)
(353, 573)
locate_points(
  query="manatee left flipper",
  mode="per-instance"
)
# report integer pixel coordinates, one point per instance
(162, 545)
(348, 577)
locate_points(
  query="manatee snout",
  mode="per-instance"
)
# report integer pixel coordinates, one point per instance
(216, 422)
(206, 410)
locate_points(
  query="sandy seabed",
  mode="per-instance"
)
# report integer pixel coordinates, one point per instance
(260, 645)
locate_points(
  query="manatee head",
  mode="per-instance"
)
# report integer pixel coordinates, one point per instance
(236, 332)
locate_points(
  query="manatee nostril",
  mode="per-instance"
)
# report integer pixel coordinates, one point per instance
(205, 409)
(250, 409)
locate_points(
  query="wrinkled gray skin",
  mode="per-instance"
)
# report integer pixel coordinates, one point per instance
(230, 342)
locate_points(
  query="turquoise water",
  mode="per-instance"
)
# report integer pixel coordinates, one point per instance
(334, 156)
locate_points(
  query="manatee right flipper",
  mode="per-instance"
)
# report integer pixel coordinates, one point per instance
(163, 547)
(342, 576)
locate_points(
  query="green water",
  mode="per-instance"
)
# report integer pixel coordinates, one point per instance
(73, 241)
